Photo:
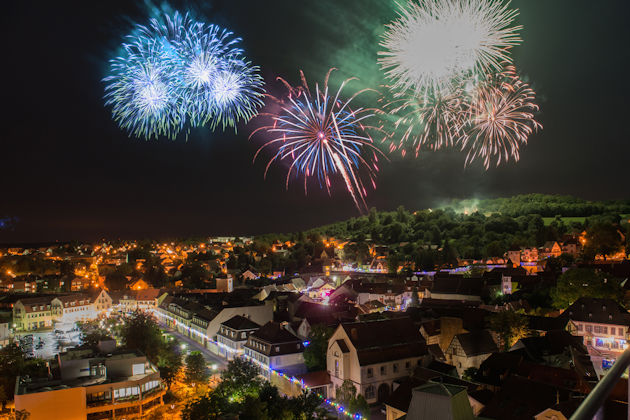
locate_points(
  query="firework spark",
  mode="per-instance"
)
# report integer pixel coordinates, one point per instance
(321, 136)
(178, 70)
(432, 122)
(435, 43)
(500, 118)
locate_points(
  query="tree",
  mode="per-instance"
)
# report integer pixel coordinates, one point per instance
(414, 301)
(510, 326)
(604, 239)
(141, 332)
(12, 365)
(116, 281)
(584, 282)
(240, 379)
(315, 352)
(347, 395)
(196, 370)
(205, 407)
(169, 361)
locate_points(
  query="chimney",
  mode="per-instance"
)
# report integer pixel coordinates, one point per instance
(354, 334)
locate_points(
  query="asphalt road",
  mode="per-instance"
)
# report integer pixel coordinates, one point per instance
(192, 345)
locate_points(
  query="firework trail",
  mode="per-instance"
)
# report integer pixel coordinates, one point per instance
(500, 118)
(321, 136)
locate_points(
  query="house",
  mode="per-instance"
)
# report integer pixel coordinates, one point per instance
(103, 386)
(274, 348)
(398, 403)
(372, 354)
(80, 283)
(73, 308)
(233, 334)
(551, 249)
(470, 349)
(132, 300)
(603, 324)
(33, 313)
(250, 274)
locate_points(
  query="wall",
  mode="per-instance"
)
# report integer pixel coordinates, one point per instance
(67, 404)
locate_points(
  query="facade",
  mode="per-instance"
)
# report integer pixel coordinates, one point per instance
(33, 313)
(93, 386)
(373, 354)
(73, 308)
(274, 348)
(469, 350)
(233, 335)
(602, 323)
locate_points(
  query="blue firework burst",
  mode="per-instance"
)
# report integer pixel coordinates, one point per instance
(178, 71)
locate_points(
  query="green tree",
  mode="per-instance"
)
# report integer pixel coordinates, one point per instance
(169, 361)
(603, 239)
(510, 327)
(240, 379)
(196, 370)
(584, 282)
(315, 352)
(140, 331)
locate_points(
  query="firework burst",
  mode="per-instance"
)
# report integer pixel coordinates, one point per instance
(434, 44)
(432, 122)
(179, 71)
(500, 118)
(322, 137)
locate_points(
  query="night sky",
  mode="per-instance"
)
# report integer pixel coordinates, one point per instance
(68, 172)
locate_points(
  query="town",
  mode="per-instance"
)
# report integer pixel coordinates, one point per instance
(498, 311)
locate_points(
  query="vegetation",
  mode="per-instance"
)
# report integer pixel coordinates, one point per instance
(347, 396)
(584, 282)
(242, 393)
(196, 370)
(315, 352)
(509, 326)
(14, 364)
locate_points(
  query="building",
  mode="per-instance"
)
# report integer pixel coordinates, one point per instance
(33, 313)
(602, 323)
(437, 401)
(92, 386)
(373, 354)
(73, 308)
(468, 350)
(274, 348)
(233, 335)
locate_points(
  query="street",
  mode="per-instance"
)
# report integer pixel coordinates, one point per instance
(192, 345)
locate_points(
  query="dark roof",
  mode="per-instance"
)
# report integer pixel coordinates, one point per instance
(273, 333)
(436, 352)
(315, 379)
(601, 311)
(239, 323)
(546, 323)
(385, 340)
(554, 343)
(498, 366)
(457, 285)
(477, 342)
(522, 399)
